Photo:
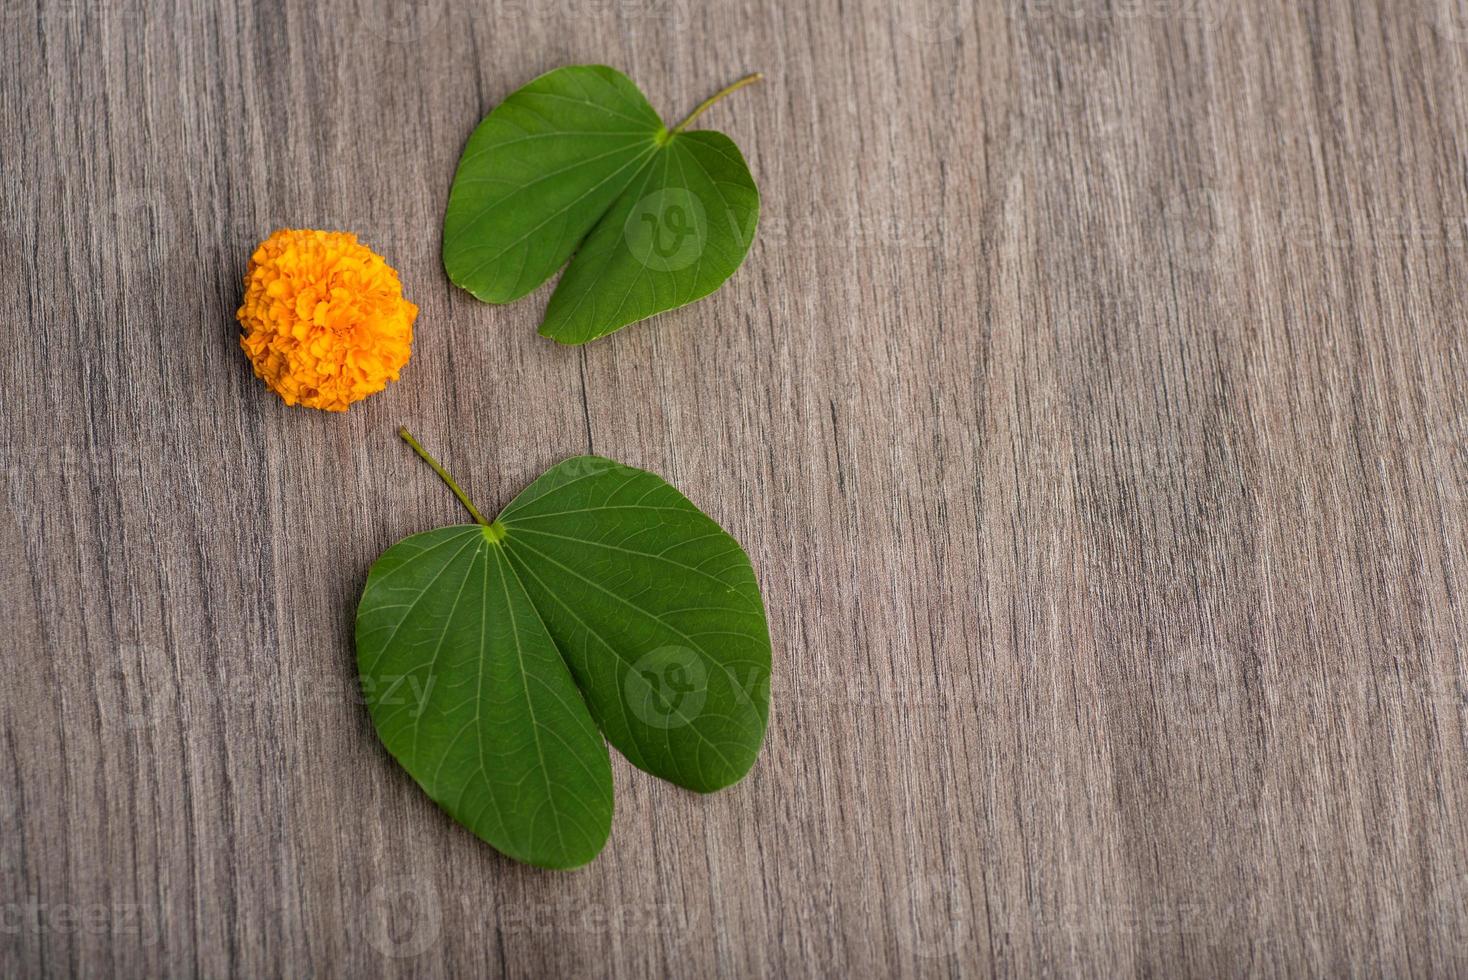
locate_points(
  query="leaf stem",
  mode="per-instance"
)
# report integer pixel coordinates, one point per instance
(443, 474)
(726, 90)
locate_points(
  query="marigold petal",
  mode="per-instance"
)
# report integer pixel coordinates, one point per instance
(324, 322)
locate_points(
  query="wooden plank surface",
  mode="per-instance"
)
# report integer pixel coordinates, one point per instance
(1092, 405)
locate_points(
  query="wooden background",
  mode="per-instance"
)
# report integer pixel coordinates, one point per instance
(1092, 404)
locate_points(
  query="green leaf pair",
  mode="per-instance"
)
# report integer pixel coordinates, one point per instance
(578, 163)
(495, 656)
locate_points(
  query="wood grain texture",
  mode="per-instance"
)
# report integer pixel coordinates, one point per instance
(1093, 404)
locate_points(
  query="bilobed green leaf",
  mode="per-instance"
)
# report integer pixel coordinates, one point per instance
(601, 598)
(468, 692)
(657, 612)
(578, 162)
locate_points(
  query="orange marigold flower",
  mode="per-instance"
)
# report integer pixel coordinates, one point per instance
(325, 323)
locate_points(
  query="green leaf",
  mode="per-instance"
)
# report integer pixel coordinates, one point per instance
(491, 654)
(578, 162)
(468, 692)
